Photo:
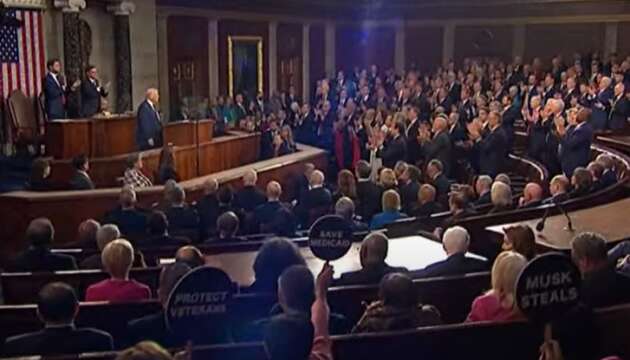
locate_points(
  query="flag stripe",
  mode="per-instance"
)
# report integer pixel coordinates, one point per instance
(38, 45)
(29, 53)
(22, 64)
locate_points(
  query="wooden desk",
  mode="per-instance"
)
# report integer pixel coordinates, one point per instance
(610, 220)
(183, 133)
(94, 137)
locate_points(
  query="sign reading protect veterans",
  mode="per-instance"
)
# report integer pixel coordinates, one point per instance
(548, 287)
(330, 237)
(198, 305)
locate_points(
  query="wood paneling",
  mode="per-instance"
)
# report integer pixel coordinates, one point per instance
(317, 52)
(547, 40)
(289, 57)
(359, 46)
(474, 41)
(231, 27)
(423, 47)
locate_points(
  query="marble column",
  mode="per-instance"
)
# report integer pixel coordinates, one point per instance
(329, 46)
(611, 38)
(163, 68)
(73, 56)
(213, 58)
(399, 48)
(122, 50)
(273, 57)
(306, 61)
(518, 40)
(448, 43)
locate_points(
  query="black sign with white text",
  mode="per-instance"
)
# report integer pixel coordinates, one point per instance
(330, 237)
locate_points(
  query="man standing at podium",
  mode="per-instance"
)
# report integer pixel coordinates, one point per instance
(91, 93)
(149, 125)
(55, 91)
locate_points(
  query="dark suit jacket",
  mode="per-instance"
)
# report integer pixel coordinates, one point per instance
(619, 113)
(371, 275)
(413, 146)
(152, 328)
(58, 341)
(131, 222)
(208, 211)
(492, 152)
(442, 188)
(483, 199)
(248, 198)
(183, 220)
(369, 199)
(91, 98)
(54, 94)
(439, 148)
(575, 148)
(427, 209)
(317, 198)
(392, 151)
(81, 182)
(41, 259)
(453, 265)
(409, 195)
(148, 126)
(605, 287)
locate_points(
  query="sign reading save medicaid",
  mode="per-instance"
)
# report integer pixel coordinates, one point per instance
(330, 237)
(548, 287)
(197, 308)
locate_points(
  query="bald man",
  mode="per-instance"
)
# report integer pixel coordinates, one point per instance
(620, 111)
(373, 266)
(149, 124)
(249, 197)
(273, 214)
(532, 196)
(455, 242)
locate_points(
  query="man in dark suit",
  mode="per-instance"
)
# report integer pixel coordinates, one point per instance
(208, 209)
(482, 188)
(373, 266)
(55, 91)
(369, 193)
(273, 216)
(439, 180)
(81, 179)
(409, 186)
(426, 205)
(620, 108)
(39, 236)
(149, 124)
(455, 242)
(57, 307)
(316, 202)
(438, 144)
(91, 93)
(395, 148)
(508, 117)
(239, 107)
(345, 208)
(492, 146)
(413, 145)
(131, 220)
(183, 219)
(158, 234)
(153, 327)
(106, 234)
(227, 228)
(249, 197)
(575, 143)
(467, 109)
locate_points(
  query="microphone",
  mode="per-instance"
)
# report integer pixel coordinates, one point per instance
(540, 226)
(566, 215)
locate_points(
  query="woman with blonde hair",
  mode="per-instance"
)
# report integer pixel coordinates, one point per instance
(499, 304)
(284, 143)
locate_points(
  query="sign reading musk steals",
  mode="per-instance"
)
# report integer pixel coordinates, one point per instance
(548, 287)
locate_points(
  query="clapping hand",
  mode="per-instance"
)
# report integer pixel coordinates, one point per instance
(76, 84)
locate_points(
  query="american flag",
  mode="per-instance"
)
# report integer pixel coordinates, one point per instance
(22, 54)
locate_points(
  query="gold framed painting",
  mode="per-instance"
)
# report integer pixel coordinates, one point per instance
(245, 65)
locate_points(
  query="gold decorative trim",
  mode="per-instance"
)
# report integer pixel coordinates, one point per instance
(259, 45)
(28, 4)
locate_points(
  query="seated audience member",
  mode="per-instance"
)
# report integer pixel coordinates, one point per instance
(426, 205)
(582, 183)
(249, 197)
(369, 194)
(158, 234)
(227, 227)
(166, 168)
(191, 256)
(302, 183)
(145, 350)
(501, 196)
(295, 334)
(397, 308)
(346, 186)
(597, 170)
(373, 266)
(409, 187)
(183, 219)
(133, 175)
(504, 178)
(283, 143)
(208, 209)
(345, 208)
(106, 234)
(81, 179)
(391, 211)
(602, 285)
(482, 189)
(131, 220)
(459, 209)
(86, 235)
(316, 202)
(273, 258)
(559, 189)
(57, 307)
(38, 257)
(167, 196)
(439, 180)
(153, 327)
(388, 180)
(40, 176)
(273, 216)
(499, 304)
(399, 169)
(532, 196)
(520, 239)
(455, 242)
(117, 258)
(609, 176)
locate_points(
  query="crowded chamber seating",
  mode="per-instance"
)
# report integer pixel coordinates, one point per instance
(444, 190)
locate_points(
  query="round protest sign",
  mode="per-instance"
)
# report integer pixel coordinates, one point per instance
(197, 308)
(548, 287)
(330, 237)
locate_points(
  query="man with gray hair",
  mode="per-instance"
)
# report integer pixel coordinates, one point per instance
(249, 197)
(183, 219)
(149, 123)
(482, 188)
(105, 235)
(131, 221)
(373, 266)
(601, 105)
(455, 242)
(317, 200)
(345, 208)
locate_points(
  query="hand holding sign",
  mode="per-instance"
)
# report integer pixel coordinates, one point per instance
(330, 237)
